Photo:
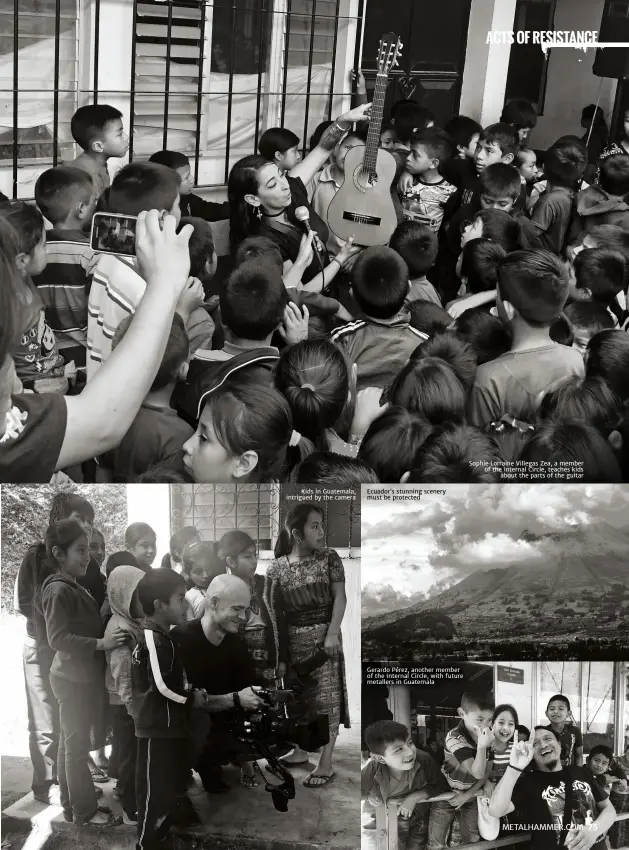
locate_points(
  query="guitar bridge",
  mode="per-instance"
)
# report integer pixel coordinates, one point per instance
(361, 218)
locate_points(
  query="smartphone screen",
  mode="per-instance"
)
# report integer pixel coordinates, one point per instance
(114, 234)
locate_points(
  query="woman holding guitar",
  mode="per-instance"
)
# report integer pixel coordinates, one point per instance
(263, 203)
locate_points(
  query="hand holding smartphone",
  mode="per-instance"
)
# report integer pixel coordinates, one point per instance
(113, 234)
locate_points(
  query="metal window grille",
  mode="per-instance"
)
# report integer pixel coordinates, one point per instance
(38, 81)
(259, 509)
(205, 78)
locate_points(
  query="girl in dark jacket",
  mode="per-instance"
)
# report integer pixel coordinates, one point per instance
(74, 630)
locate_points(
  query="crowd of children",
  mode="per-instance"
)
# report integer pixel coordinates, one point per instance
(494, 776)
(120, 652)
(489, 335)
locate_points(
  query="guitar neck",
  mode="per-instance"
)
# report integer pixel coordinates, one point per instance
(375, 122)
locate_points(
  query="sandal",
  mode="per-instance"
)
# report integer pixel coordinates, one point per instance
(98, 775)
(247, 781)
(309, 783)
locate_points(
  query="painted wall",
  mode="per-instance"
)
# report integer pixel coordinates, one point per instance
(571, 83)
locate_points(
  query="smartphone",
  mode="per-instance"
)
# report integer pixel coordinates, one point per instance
(114, 234)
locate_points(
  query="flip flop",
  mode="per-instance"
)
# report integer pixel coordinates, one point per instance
(308, 783)
(98, 775)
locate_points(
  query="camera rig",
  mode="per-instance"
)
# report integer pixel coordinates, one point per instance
(271, 727)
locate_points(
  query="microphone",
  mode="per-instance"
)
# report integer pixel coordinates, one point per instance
(302, 214)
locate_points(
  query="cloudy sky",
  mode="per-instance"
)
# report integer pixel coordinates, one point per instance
(413, 549)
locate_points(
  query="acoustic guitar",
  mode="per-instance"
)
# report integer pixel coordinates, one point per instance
(363, 205)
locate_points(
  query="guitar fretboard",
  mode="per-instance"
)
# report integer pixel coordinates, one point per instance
(375, 123)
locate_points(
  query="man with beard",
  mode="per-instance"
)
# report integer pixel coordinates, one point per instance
(216, 659)
(559, 805)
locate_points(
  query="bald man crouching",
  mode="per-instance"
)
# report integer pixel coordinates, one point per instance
(217, 660)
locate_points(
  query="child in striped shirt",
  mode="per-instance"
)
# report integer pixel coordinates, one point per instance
(66, 197)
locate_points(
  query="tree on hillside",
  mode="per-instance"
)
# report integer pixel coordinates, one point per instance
(24, 517)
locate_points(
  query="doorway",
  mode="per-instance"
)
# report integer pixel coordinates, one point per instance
(430, 69)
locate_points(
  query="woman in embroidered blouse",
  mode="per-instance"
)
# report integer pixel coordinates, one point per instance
(305, 594)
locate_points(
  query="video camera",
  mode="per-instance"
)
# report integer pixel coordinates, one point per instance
(271, 727)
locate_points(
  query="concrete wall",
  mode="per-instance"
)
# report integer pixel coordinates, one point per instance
(571, 83)
(486, 65)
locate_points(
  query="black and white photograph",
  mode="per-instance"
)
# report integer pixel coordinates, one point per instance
(377, 241)
(512, 571)
(484, 753)
(183, 663)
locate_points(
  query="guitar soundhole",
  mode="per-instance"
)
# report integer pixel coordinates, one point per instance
(365, 179)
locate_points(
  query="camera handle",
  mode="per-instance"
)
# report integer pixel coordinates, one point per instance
(281, 793)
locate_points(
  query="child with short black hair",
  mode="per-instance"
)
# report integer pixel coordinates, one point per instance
(329, 469)
(430, 388)
(532, 290)
(555, 444)
(600, 766)
(465, 133)
(203, 259)
(192, 206)
(587, 318)
(281, 146)
(398, 771)
(478, 265)
(38, 363)
(607, 357)
(497, 226)
(417, 244)
(382, 341)
(526, 163)
(521, 115)
(157, 432)
(465, 765)
(187, 534)
(604, 203)
(456, 454)
(66, 197)
(426, 198)
(392, 441)
(499, 187)
(586, 400)
(600, 275)
(163, 705)
(569, 736)
(429, 318)
(485, 333)
(564, 164)
(97, 129)
(141, 541)
(253, 305)
(117, 286)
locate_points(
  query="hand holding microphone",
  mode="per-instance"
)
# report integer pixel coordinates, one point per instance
(302, 214)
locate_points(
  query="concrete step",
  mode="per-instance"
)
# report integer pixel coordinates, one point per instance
(243, 819)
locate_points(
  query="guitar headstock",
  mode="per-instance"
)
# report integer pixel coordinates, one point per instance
(389, 51)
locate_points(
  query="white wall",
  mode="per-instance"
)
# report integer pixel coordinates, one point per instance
(486, 65)
(571, 83)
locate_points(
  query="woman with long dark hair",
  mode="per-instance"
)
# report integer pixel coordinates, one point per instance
(305, 595)
(263, 201)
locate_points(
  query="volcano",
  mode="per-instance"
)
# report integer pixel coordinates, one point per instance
(576, 584)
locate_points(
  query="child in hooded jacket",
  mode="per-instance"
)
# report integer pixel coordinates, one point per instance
(126, 615)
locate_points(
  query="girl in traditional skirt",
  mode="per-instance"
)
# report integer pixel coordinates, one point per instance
(305, 593)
